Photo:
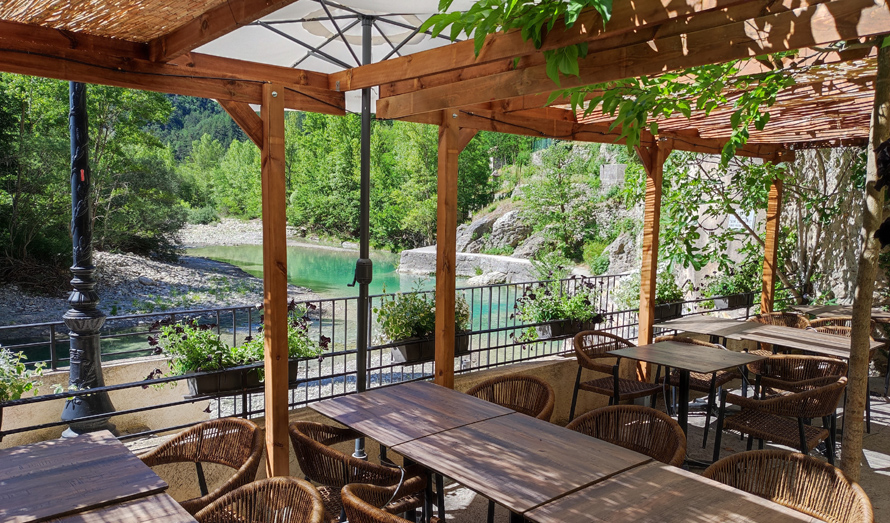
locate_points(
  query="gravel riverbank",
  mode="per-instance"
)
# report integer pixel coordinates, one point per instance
(130, 284)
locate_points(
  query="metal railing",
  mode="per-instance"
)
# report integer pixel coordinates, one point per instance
(495, 338)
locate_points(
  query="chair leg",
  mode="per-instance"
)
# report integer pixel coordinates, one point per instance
(760, 444)
(887, 383)
(575, 393)
(202, 482)
(428, 498)
(440, 495)
(803, 438)
(490, 511)
(750, 444)
(711, 400)
(868, 411)
(719, 435)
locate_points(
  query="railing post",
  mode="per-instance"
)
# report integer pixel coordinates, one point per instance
(83, 318)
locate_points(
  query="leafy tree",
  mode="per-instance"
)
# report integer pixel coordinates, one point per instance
(191, 119)
(237, 184)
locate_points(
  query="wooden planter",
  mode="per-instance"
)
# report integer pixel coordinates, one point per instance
(734, 301)
(667, 311)
(225, 381)
(420, 350)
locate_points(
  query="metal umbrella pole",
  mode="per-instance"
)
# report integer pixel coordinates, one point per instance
(364, 269)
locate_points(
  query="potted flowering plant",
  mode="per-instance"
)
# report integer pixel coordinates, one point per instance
(410, 319)
(300, 345)
(668, 297)
(732, 289)
(558, 311)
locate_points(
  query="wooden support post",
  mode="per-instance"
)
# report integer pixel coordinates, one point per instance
(446, 247)
(275, 281)
(771, 246)
(653, 159)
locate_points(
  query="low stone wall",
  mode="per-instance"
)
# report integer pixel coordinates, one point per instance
(423, 261)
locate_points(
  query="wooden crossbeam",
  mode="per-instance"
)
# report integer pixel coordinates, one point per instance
(246, 118)
(39, 51)
(216, 22)
(637, 21)
(798, 28)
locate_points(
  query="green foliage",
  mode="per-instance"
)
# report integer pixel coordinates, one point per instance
(503, 250)
(190, 120)
(627, 293)
(557, 202)
(203, 215)
(193, 347)
(595, 257)
(299, 343)
(666, 289)
(15, 377)
(413, 315)
(548, 301)
(747, 278)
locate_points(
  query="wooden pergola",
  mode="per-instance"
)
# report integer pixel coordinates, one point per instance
(150, 46)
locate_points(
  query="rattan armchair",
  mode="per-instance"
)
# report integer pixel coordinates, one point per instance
(700, 382)
(641, 429)
(782, 419)
(273, 500)
(233, 442)
(362, 503)
(782, 319)
(333, 469)
(790, 372)
(837, 321)
(796, 481)
(840, 330)
(526, 394)
(591, 349)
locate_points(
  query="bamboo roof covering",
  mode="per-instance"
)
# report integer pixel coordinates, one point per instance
(134, 20)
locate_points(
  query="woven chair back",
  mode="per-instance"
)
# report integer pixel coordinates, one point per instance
(529, 395)
(361, 502)
(593, 345)
(838, 321)
(794, 480)
(783, 319)
(272, 500)
(792, 367)
(642, 429)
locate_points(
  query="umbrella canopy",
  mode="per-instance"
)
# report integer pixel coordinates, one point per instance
(326, 36)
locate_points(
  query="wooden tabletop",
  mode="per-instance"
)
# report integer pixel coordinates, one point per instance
(519, 461)
(659, 493)
(687, 356)
(804, 339)
(158, 508)
(723, 327)
(835, 311)
(65, 476)
(400, 413)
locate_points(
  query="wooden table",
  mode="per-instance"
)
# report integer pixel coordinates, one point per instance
(157, 508)
(686, 358)
(400, 413)
(62, 477)
(801, 339)
(836, 311)
(519, 461)
(659, 493)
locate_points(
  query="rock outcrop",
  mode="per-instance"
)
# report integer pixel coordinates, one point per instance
(423, 261)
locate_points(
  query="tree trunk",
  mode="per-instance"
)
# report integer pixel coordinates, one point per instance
(857, 387)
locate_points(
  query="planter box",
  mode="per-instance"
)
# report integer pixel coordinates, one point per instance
(226, 381)
(667, 311)
(560, 328)
(734, 301)
(419, 350)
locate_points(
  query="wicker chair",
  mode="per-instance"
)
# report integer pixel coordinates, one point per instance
(796, 481)
(526, 394)
(790, 372)
(707, 383)
(837, 321)
(234, 442)
(644, 430)
(771, 419)
(591, 347)
(839, 330)
(362, 501)
(333, 469)
(273, 500)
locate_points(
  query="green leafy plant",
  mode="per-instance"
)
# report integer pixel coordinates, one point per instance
(547, 301)
(15, 377)
(299, 342)
(194, 347)
(732, 281)
(627, 293)
(413, 315)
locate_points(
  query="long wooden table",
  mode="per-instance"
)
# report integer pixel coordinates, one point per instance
(534, 468)
(838, 311)
(89, 473)
(686, 358)
(801, 339)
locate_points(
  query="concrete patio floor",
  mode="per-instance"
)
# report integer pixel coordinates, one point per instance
(463, 505)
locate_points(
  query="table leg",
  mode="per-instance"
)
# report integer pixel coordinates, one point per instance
(516, 518)
(683, 407)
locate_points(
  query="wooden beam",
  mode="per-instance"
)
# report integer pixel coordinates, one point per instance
(466, 135)
(40, 51)
(446, 247)
(798, 28)
(651, 225)
(247, 120)
(629, 19)
(771, 246)
(275, 282)
(216, 22)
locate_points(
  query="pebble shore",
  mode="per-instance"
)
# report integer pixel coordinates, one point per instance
(130, 284)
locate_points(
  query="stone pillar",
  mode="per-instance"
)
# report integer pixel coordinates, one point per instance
(84, 319)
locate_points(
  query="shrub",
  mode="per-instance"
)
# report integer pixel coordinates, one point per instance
(413, 315)
(15, 378)
(595, 257)
(203, 215)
